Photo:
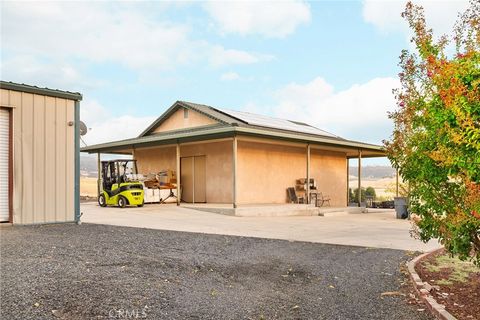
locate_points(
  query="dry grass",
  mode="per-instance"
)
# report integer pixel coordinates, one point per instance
(88, 186)
(384, 187)
(460, 270)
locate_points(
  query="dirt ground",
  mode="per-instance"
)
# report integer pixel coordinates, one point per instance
(456, 284)
(66, 271)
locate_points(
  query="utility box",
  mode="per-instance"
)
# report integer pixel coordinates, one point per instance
(401, 210)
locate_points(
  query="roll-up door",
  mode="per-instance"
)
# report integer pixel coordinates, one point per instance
(4, 164)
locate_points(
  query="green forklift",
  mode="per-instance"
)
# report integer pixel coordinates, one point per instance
(119, 186)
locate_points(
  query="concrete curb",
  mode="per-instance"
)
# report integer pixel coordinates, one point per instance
(423, 289)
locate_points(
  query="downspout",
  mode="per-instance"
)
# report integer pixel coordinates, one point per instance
(77, 162)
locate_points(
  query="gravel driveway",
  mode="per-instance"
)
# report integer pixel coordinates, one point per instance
(96, 271)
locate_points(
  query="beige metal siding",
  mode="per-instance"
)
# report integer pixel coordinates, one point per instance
(61, 164)
(50, 149)
(69, 212)
(44, 157)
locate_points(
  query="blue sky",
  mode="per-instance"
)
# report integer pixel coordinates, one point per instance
(331, 64)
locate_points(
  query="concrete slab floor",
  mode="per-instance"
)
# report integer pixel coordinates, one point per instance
(375, 229)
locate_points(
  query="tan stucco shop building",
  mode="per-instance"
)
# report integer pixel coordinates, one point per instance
(226, 156)
(39, 154)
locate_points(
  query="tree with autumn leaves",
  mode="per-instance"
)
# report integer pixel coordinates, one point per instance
(436, 139)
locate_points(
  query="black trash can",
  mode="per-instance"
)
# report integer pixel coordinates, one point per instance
(401, 207)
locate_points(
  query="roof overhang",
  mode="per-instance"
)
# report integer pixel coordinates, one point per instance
(351, 148)
(41, 91)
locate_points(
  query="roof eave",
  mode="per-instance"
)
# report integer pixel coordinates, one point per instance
(198, 135)
(76, 96)
(150, 140)
(312, 139)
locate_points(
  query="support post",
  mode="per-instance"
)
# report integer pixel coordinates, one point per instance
(234, 169)
(179, 196)
(396, 184)
(99, 176)
(348, 180)
(307, 189)
(360, 178)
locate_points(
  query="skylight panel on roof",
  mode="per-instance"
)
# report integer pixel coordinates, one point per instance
(282, 124)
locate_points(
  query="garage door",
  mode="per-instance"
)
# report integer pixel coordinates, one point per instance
(4, 157)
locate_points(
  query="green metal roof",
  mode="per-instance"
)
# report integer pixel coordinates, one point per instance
(42, 91)
(226, 126)
(236, 118)
(218, 131)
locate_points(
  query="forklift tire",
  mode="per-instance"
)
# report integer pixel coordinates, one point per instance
(141, 205)
(102, 201)
(122, 202)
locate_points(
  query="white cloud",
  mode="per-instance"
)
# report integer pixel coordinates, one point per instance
(358, 113)
(59, 74)
(106, 126)
(219, 56)
(386, 15)
(132, 35)
(275, 19)
(96, 31)
(229, 76)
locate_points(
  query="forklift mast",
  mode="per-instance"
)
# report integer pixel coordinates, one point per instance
(115, 171)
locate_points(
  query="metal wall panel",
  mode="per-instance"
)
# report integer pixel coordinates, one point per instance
(16, 100)
(50, 161)
(69, 213)
(60, 160)
(44, 157)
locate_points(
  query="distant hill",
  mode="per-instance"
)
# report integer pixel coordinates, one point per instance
(88, 165)
(373, 172)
